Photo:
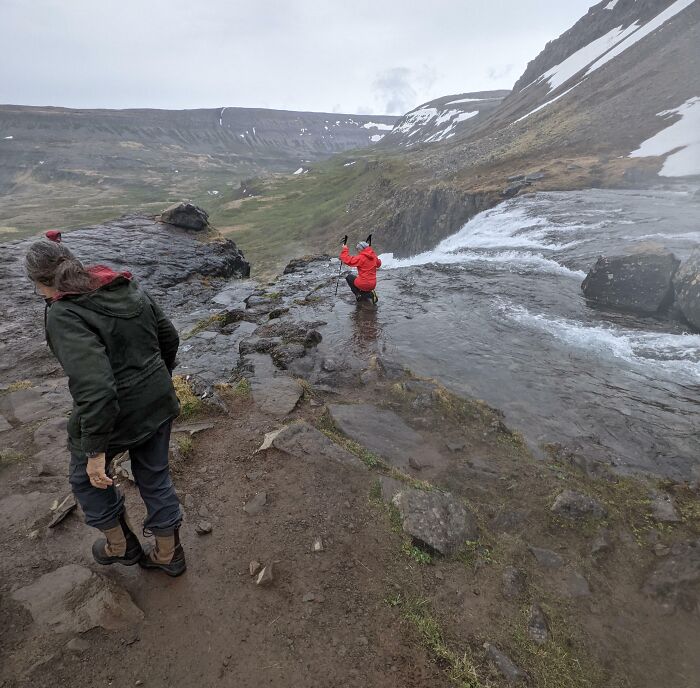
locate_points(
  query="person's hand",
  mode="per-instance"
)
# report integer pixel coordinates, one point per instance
(96, 472)
(345, 245)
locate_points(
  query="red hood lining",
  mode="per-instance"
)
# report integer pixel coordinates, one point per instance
(102, 275)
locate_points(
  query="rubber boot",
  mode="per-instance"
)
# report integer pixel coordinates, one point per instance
(167, 555)
(118, 546)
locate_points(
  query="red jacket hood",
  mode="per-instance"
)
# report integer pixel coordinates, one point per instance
(102, 275)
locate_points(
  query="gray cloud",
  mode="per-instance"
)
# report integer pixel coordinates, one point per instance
(306, 55)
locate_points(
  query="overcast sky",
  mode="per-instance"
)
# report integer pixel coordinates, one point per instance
(354, 56)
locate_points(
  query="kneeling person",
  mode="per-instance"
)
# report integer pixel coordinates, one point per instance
(367, 263)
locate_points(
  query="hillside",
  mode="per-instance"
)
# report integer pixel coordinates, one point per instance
(603, 105)
(66, 167)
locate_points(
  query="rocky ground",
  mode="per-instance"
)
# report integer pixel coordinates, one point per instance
(346, 524)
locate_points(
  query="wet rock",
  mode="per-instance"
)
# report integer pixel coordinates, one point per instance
(675, 580)
(254, 506)
(510, 671)
(186, 215)
(266, 576)
(640, 283)
(303, 264)
(275, 393)
(303, 440)
(538, 625)
(254, 567)
(602, 543)
(52, 434)
(575, 585)
(73, 599)
(203, 528)
(278, 313)
(662, 508)
(382, 432)
(577, 505)
(513, 189)
(436, 520)
(514, 582)
(415, 464)
(313, 338)
(283, 355)
(686, 283)
(546, 557)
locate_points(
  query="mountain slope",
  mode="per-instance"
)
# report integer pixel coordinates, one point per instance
(443, 118)
(67, 166)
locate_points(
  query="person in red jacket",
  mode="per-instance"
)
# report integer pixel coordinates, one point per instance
(366, 261)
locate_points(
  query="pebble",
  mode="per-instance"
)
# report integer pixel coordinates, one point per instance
(255, 505)
(266, 576)
(203, 528)
(254, 567)
(318, 545)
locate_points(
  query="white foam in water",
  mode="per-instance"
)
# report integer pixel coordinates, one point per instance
(500, 235)
(676, 353)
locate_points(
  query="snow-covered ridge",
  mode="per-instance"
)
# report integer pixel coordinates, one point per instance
(681, 139)
(599, 52)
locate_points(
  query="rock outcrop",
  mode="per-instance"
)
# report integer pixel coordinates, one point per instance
(638, 283)
(686, 284)
(186, 215)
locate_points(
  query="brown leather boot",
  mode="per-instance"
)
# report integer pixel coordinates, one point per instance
(118, 546)
(167, 555)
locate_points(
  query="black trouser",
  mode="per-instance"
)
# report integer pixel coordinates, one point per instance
(149, 464)
(358, 292)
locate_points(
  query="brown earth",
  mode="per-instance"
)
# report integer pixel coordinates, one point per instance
(385, 611)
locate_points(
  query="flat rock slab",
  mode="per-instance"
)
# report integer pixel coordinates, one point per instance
(26, 406)
(382, 432)
(303, 440)
(274, 393)
(4, 425)
(22, 511)
(675, 581)
(192, 428)
(73, 599)
(52, 434)
(434, 519)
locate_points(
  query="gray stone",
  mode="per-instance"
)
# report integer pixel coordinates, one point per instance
(22, 511)
(65, 507)
(255, 505)
(186, 215)
(78, 645)
(514, 582)
(662, 508)
(275, 393)
(686, 284)
(26, 406)
(73, 599)
(510, 671)
(538, 625)
(4, 425)
(52, 434)
(203, 528)
(572, 504)
(510, 521)
(434, 519)
(254, 567)
(546, 557)
(575, 585)
(303, 440)
(675, 580)
(382, 432)
(640, 283)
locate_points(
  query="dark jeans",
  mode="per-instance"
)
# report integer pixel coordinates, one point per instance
(149, 464)
(358, 292)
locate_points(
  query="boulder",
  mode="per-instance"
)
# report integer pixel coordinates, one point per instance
(73, 599)
(436, 520)
(638, 283)
(577, 505)
(686, 284)
(186, 215)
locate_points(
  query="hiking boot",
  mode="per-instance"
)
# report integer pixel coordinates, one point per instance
(118, 546)
(375, 298)
(167, 555)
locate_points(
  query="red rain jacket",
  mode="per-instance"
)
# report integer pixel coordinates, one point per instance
(366, 263)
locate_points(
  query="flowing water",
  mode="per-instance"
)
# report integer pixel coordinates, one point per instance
(496, 311)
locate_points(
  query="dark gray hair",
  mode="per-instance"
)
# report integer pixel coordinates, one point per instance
(53, 265)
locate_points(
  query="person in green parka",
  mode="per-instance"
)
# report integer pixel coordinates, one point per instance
(118, 350)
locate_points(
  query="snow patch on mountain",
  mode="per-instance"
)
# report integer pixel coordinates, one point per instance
(377, 125)
(681, 139)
